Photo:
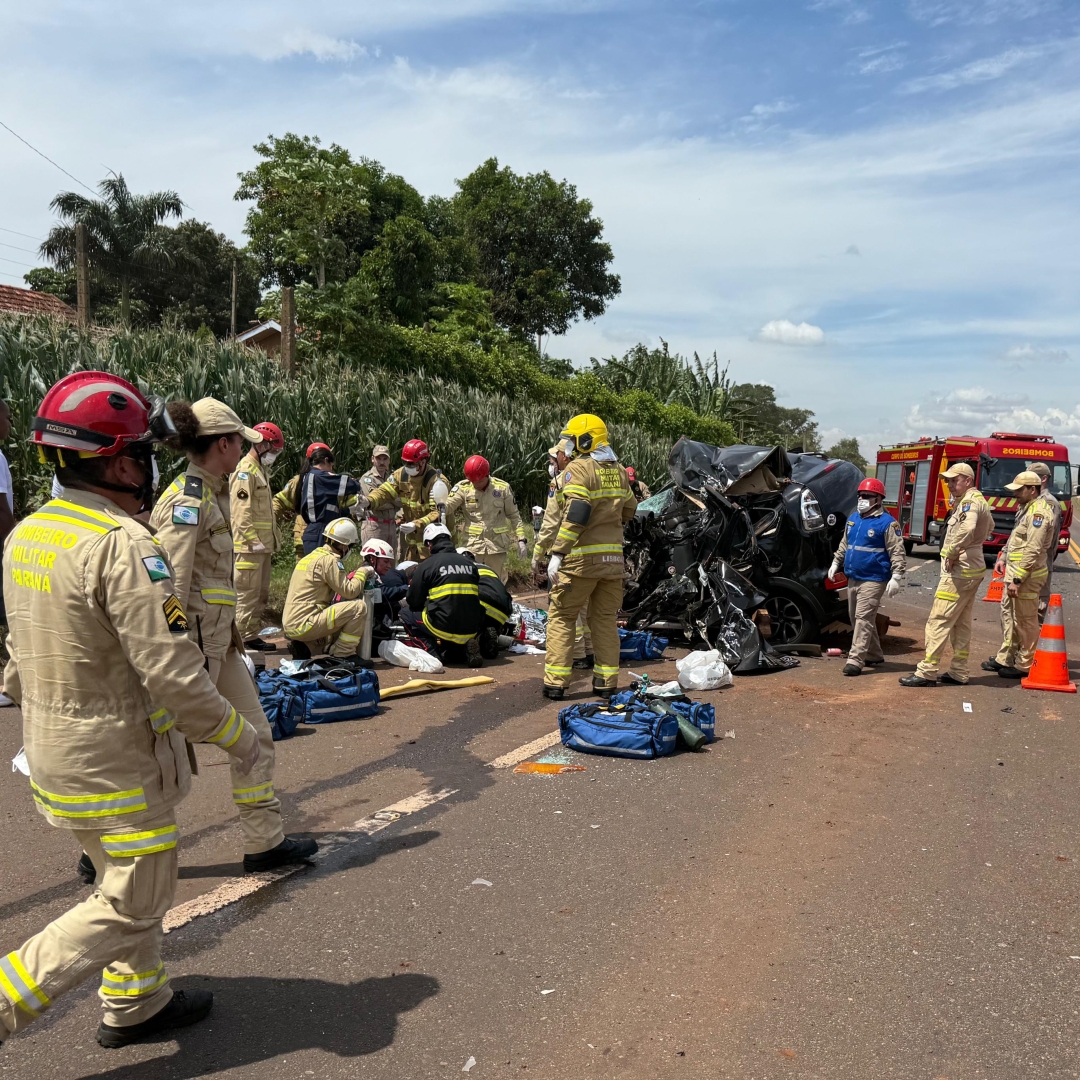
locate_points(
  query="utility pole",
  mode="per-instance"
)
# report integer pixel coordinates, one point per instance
(288, 329)
(82, 276)
(232, 320)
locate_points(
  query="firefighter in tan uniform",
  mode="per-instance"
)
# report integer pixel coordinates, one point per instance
(586, 564)
(1025, 571)
(872, 555)
(1042, 470)
(255, 536)
(549, 529)
(490, 513)
(110, 687)
(191, 520)
(412, 487)
(379, 524)
(311, 616)
(962, 569)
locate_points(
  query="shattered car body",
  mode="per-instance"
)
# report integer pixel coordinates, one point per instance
(740, 528)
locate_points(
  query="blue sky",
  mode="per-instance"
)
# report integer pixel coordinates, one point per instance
(871, 205)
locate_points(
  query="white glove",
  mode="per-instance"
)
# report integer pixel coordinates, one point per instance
(250, 759)
(833, 570)
(523, 549)
(553, 569)
(893, 587)
(258, 546)
(408, 527)
(362, 503)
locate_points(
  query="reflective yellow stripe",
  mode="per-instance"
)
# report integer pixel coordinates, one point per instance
(234, 726)
(597, 549)
(90, 806)
(134, 985)
(82, 511)
(161, 720)
(19, 987)
(225, 597)
(457, 639)
(971, 571)
(349, 639)
(259, 793)
(72, 521)
(241, 565)
(502, 529)
(494, 613)
(604, 669)
(941, 594)
(454, 589)
(558, 669)
(574, 491)
(130, 845)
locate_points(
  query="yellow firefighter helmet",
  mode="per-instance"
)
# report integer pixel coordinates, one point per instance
(586, 432)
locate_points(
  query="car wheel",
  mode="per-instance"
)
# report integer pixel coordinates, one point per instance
(792, 619)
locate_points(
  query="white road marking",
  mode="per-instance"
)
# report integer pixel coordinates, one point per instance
(234, 889)
(515, 757)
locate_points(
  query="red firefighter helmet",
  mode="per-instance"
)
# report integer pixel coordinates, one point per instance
(271, 433)
(97, 413)
(873, 486)
(477, 469)
(316, 446)
(630, 474)
(415, 451)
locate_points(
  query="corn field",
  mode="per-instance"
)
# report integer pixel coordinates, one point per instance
(350, 408)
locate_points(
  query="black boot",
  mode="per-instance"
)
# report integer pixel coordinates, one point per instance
(585, 663)
(258, 645)
(299, 650)
(473, 656)
(186, 1008)
(991, 664)
(603, 692)
(916, 680)
(489, 643)
(555, 693)
(291, 850)
(1011, 673)
(86, 869)
(852, 669)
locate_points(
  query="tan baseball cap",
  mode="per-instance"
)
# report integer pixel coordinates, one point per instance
(1025, 479)
(216, 418)
(1040, 468)
(961, 468)
(381, 451)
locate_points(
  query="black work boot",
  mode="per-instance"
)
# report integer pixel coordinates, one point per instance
(86, 869)
(916, 680)
(852, 669)
(186, 1008)
(1011, 672)
(952, 680)
(603, 692)
(258, 645)
(991, 664)
(291, 850)
(299, 650)
(584, 663)
(489, 643)
(473, 656)
(555, 693)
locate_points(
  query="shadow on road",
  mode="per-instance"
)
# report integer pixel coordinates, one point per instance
(259, 1019)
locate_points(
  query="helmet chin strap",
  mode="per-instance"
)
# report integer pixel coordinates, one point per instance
(144, 492)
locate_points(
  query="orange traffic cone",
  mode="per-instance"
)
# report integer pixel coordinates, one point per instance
(997, 588)
(1051, 668)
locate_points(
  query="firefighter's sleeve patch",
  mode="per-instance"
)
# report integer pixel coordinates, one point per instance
(1037, 521)
(174, 615)
(185, 515)
(193, 486)
(241, 493)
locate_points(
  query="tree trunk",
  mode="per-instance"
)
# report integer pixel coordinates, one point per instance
(125, 301)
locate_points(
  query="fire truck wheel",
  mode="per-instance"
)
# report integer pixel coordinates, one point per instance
(909, 547)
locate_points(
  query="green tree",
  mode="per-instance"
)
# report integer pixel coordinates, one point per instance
(317, 211)
(762, 421)
(400, 270)
(848, 450)
(537, 248)
(124, 234)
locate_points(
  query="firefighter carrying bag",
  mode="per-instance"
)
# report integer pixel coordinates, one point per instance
(641, 645)
(633, 730)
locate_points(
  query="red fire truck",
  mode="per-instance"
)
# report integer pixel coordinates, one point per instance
(917, 497)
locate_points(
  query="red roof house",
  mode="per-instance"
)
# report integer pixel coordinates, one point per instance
(16, 301)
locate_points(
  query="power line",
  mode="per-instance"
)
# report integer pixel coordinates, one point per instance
(15, 232)
(15, 247)
(47, 158)
(15, 262)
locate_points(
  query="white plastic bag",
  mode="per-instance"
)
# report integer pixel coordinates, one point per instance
(703, 671)
(398, 653)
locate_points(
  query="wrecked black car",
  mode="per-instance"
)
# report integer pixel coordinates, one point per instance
(740, 529)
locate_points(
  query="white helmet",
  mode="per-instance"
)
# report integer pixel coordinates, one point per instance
(342, 531)
(378, 548)
(433, 530)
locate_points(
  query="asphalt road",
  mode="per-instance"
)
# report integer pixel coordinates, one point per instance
(865, 881)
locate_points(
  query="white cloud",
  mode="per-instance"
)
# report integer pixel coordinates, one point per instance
(851, 13)
(785, 332)
(985, 12)
(978, 71)
(1029, 355)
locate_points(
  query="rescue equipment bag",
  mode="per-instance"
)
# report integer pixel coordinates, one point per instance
(282, 702)
(699, 713)
(641, 645)
(322, 700)
(632, 730)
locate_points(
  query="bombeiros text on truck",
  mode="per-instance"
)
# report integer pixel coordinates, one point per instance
(917, 497)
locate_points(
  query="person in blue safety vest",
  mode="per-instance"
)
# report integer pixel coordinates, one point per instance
(872, 556)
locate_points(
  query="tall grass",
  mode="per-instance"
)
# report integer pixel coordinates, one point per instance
(350, 408)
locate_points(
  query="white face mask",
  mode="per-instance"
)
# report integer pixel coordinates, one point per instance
(412, 470)
(551, 471)
(864, 505)
(271, 457)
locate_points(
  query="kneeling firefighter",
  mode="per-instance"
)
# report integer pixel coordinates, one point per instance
(192, 523)
(310, 615)
(872, 555)
(586, 565)
(498, 606)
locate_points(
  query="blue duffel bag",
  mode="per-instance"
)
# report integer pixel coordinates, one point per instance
(701, 714)
(349, 698)
(282, 702)
(641, 645)
(631, 731)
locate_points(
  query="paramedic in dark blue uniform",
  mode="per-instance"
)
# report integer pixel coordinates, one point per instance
(443, 602)
(322, 496)
(872, 556)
